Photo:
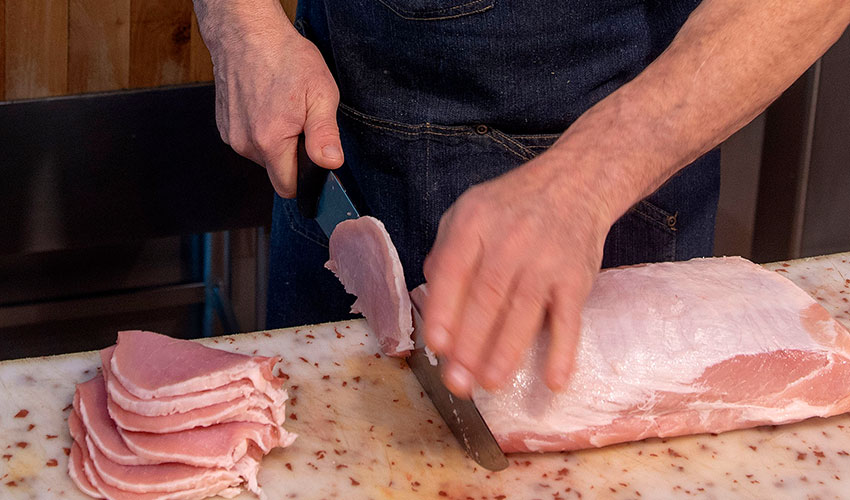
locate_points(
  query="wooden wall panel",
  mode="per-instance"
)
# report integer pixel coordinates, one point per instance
(160, 42)
(98, 45)
(2, 49)
(201, 68)
(289, 7)
(36, 48)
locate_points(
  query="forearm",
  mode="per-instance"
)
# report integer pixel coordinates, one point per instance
(728, 62)
(230, 23)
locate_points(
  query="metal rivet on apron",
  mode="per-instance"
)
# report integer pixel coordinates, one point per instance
(481, 129)
(671, 221)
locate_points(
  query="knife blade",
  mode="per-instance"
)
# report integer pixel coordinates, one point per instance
(460, 415)
(320, 194)
(322, 197)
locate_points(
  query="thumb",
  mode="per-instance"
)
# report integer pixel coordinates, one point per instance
(283, 168)
(321, 134)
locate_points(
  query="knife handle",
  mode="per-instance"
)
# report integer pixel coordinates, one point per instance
(311, 179)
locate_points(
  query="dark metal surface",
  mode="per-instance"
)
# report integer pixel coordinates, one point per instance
(460, 415)
(804, 184)
(321, 195)
(120, 302)
(826, 222)
(101, 168)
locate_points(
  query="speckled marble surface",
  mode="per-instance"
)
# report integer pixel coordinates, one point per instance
(366, 431)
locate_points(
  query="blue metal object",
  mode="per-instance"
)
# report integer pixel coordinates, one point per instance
(334, 205)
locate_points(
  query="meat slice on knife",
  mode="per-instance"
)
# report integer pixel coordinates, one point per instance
(364, 259)
(184, 367)
(669, 349)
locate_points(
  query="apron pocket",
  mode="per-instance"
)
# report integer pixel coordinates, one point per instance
(432, 10)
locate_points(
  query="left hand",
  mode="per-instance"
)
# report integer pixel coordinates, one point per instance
(511, 254)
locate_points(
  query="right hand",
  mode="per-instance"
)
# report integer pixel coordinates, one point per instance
(271, 84)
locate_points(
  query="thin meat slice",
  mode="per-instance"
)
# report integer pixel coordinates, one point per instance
(90, 405)
(364, 259)
(174, 404)
(165, 477)
(250, 409)
(82, 471)
(78, 474)
(257, 407)
(668, 349)
(76, 458)
(221, 445)
(183, 366)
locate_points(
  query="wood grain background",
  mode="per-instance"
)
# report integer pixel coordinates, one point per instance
(58, 47)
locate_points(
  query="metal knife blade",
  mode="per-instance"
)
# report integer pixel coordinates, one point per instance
(460, 415)
(321, 195)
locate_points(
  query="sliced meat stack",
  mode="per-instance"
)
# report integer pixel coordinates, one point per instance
(172, 419)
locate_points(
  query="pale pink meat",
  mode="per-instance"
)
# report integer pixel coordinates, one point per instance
(164, 477)
(184, 366)
(669, 349)
(221, 445)
(172, 404)
(250, 409)
(82, 471)
(76, 458)
(208, 441)
(90, 406)
(364, 259)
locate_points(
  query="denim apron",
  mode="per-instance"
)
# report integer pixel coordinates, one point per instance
(440, 95)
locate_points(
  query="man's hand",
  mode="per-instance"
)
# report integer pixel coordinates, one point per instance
(271, 83)
(509, 254)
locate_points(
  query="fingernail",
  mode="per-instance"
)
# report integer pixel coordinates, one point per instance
(331, 152)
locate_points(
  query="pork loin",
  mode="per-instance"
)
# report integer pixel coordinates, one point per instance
(669, 349)
(364, 259)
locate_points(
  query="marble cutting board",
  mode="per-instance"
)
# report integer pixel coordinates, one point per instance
(367, 431)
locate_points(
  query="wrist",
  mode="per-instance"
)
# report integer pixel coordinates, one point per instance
(611, 154)
(237, 23)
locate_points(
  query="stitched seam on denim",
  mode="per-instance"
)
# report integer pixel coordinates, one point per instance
(416, 13)
(303, 232)
(518, 145)
(660, 213)
(404, 128)
(445, 17)
(508, 147)
(536, 136)
(649, 218)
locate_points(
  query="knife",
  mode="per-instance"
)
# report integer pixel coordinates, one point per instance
(322, 197)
